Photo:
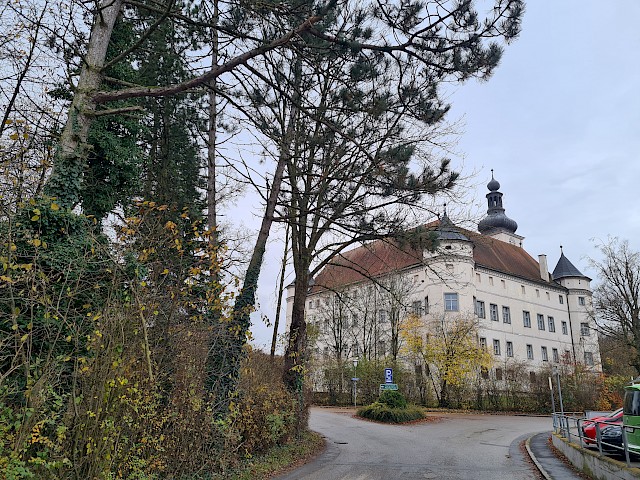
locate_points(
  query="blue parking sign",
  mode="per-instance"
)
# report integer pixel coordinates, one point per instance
(388, 375)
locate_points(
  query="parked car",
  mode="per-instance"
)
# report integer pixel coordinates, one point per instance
(611, 438)
(589, 426)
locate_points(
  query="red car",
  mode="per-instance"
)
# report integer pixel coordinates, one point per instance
(589, 426)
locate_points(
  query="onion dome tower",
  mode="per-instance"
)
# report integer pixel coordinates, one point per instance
(496, 223)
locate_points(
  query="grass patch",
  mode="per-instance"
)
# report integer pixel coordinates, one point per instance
(381, 412)
(278, 459)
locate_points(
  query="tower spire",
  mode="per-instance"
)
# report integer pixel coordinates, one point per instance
(496, 220)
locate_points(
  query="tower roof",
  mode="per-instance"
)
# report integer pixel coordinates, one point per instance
(565, 268)
(448, 231)
(493, 184)
(496, 219)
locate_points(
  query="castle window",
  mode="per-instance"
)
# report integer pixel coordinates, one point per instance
(540, 321)
(509, 349)
(483, 343)
(498, 374)
(451, 302)
(565, 330)
(416, 308)
(496, 347)
(588, 359)
(504, 284)
(552, 324)
(556, 356)
(493, 312)
(537, 293)
(491, 281)
(529, 351)
(480, 309)
(526, 319)
(581, 301)
(524, 290)
(506, 314)
(584, 330)
(478, 278)
(545, 355)
(548, 296)
(426, 305)
(561, 299)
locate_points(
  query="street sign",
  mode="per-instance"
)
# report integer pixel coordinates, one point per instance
(388, 375)
(388, 386)
(355, 379)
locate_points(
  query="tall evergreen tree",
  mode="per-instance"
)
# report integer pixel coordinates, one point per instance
(172, 162)
(362, 112)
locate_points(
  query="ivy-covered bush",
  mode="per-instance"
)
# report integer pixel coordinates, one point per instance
(264, 412)
(105, 346)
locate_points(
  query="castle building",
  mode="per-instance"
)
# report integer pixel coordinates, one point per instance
(523, 312)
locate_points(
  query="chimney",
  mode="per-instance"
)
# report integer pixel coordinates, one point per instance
(544, 269)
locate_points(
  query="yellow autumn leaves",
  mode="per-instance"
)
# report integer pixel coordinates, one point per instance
(449, 345)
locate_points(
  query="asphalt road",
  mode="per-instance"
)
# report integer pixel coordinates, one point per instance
(455, 446)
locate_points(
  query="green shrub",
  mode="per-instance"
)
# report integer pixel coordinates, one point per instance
(393, 399)
(381, 412)
(264, 412)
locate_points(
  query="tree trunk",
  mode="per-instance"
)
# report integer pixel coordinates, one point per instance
(444, 394)
(276, 321)
(212, 219)
(294, 358)
(227, 373)
(71, 156)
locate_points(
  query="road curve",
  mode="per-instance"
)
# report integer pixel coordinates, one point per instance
(455, 446)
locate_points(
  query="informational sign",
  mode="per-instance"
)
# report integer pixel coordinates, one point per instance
(388, 375)
(355, 379)
(388, 386)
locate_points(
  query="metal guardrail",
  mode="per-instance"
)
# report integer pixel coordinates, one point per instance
(571, 428)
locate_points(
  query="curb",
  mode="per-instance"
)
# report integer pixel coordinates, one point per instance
(535, 460)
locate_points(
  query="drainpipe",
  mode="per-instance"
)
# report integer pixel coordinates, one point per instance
(573, 344)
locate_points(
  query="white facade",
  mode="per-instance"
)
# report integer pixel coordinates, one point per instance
(523, 313)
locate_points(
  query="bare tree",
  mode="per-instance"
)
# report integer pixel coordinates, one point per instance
(616, 298)
(396, 291)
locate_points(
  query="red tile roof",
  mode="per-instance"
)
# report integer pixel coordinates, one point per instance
(384, 256)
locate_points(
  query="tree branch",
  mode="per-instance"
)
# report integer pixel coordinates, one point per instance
(103, 97)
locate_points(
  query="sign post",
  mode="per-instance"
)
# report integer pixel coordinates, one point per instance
(388, 381)
(388, 386)
(355, 382)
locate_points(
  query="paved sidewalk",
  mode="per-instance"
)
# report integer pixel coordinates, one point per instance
(554, 468)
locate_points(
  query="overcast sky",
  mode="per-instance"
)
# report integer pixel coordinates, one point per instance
(559, 123)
